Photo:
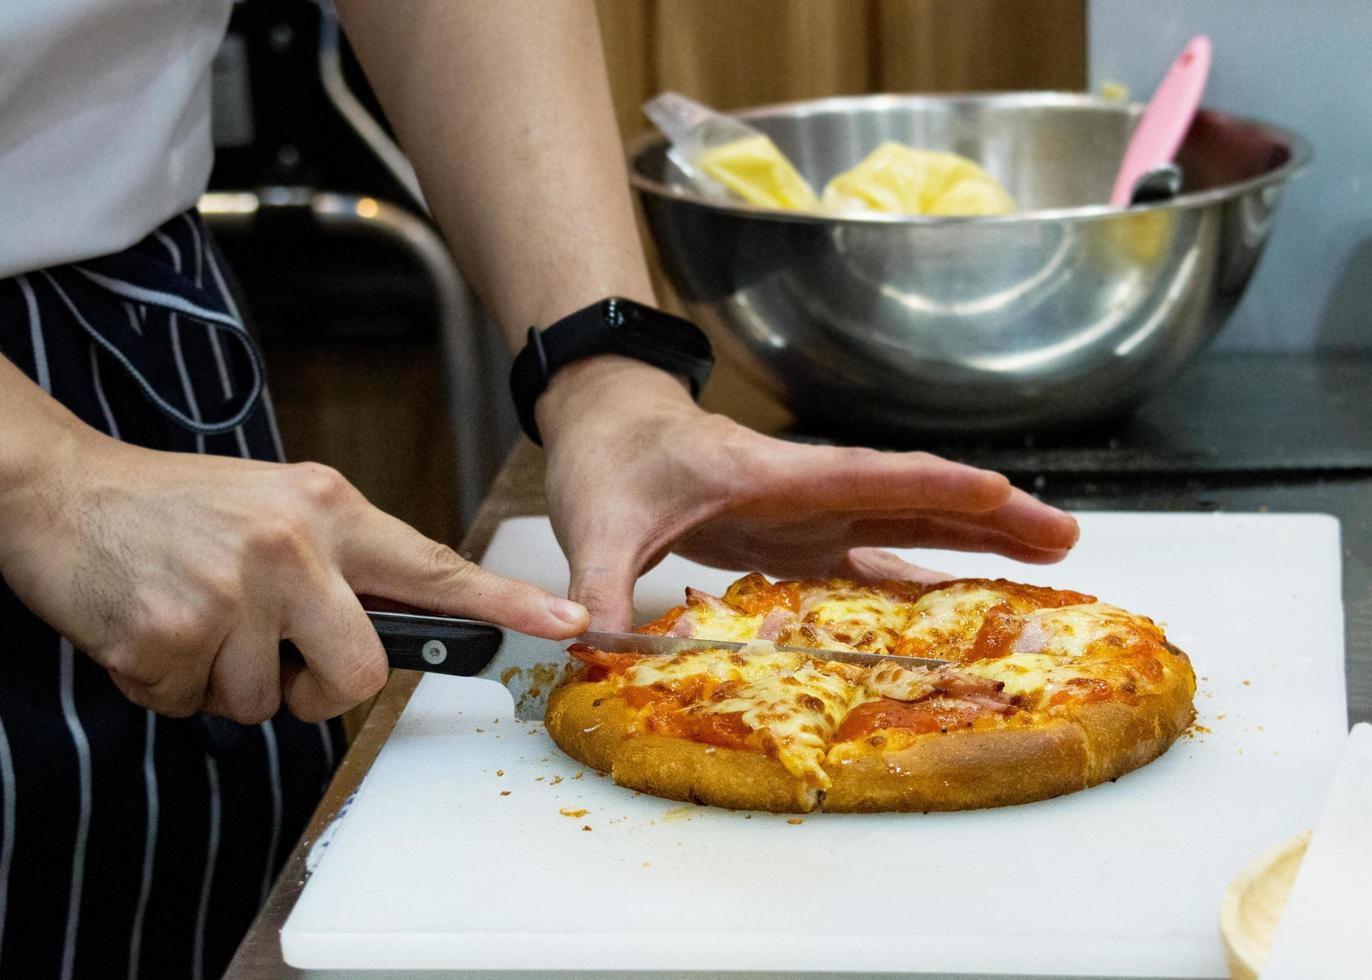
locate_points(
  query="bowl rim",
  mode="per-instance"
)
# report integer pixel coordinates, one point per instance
(1299, 159)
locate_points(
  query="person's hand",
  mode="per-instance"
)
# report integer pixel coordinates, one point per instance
(180, 574)
(635, 470)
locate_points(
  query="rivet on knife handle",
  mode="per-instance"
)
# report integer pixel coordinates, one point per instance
(433, 644)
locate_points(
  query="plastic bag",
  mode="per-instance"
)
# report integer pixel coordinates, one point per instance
(899, 179)
(725, 158)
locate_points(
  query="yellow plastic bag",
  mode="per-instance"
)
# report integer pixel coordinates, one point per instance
(898, 179)
(755, 170)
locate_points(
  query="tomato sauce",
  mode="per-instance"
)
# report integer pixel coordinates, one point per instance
(725, 729)
(921, 717)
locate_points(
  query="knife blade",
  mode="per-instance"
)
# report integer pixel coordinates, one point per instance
(530, 666)
(670, 646)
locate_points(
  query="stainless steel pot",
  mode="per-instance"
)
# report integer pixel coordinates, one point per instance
(1065, 312)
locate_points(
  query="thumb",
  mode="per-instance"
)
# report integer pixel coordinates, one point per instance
(603, 581)
(386, 557)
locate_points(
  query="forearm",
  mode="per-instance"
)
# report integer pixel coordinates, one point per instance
(39, 441)
(504, 109)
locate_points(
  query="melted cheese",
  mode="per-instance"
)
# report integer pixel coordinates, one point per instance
(710, 623)
(1024, 674)
(783, 694)
(798, 705)
(800, 709)
(944, 622)
(723, 665)
(849, 619)
(1056, 645)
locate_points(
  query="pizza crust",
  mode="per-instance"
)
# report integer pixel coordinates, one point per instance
(588, 720)
(737, 779)
(966, 770)
(1122, 737)
(960, 770)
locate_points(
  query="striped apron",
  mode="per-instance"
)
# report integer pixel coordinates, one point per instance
(132, 844)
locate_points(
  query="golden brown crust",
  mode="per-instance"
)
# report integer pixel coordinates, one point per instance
(739, 779)
(1121, 737)
(588, 720)
(961, 770)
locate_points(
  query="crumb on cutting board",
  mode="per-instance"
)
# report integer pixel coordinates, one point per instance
(585, 826)
(555, 780)
(575, 814)
(504, 792)
(795, 821)
(500, 772)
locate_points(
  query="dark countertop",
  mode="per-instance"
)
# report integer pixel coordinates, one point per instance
(1280, 433)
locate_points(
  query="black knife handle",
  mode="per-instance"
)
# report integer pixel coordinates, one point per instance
(433, 644)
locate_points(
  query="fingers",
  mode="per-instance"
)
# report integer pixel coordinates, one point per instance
(841, 478)
(163, 663)
(174, 702)
(386, 557)
(877, 564)
(245, 683)
(952, 534)
(344, 661)
(1035, 523)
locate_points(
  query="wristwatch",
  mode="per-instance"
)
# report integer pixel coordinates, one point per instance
(611, 326)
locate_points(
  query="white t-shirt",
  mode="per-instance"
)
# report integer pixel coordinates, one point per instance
(104, 122)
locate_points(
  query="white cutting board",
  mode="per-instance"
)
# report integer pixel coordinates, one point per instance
(432, 868)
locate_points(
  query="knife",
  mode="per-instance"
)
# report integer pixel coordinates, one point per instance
(530, 666)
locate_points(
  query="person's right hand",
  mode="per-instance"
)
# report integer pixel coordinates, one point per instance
(180, 574)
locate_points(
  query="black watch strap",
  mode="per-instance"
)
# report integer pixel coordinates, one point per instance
(611, 326)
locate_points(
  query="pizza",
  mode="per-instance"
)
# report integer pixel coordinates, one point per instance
(1048, 691)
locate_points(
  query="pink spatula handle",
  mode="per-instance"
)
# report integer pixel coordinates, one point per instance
(1166, 119)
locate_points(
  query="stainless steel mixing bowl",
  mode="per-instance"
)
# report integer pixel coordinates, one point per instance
(1066, 312)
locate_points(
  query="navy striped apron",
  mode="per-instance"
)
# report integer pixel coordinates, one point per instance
(132, 844)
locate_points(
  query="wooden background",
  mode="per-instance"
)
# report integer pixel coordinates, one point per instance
(734, 53)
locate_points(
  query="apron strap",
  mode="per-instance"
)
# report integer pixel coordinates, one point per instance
(128, 277)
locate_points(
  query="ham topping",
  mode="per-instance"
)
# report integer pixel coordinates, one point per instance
(900, 683)
(777, 623)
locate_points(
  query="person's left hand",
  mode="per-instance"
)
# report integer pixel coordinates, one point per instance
(636, 470)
